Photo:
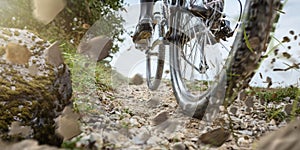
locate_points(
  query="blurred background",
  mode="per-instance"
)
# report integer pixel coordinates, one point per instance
(72, 19)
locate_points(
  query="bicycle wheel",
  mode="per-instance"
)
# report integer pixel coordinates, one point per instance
(155, 59)
(193, 75)
(156, 54)
(199, 82)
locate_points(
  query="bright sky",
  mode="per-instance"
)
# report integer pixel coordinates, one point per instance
(288, 21)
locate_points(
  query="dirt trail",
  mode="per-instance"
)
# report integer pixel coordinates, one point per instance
(133, 117)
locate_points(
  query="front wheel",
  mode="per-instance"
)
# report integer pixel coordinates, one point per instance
(196, 66)
(198, 72)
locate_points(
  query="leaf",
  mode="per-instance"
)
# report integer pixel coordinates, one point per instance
(247, 41)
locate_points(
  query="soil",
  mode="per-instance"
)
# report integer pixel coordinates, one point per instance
(132, 117)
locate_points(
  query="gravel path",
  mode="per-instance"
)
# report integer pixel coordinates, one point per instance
(132, 117)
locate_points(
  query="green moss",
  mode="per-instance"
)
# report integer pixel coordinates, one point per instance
(40, 42)
(33, 38)
(38, 105)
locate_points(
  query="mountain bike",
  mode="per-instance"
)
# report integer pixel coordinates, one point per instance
(200, 77)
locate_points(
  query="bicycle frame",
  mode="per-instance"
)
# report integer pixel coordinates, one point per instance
(168, 11)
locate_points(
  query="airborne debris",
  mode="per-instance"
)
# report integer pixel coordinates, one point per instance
(215, 137)
(286, 55)
(269, 81)
(17, 129)
(286, 39)
(137, 80)
(17, 54)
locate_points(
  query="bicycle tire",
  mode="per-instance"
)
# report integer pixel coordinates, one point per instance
(239, 60)
(259, 23)
(153, 84)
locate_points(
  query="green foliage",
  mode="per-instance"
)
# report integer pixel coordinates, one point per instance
(71, 144)
(89, 80)
(276, 113)
(277, 95)
(80, 15)
(17, 14)
(87, 74)
(247, 41)
(71, 24)
(296, 106)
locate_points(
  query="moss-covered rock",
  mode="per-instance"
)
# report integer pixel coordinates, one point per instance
(35, 86)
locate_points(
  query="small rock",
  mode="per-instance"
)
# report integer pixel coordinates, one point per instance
(68, 127)
(160, 118)
(137, 80)
(153, 102)
(249, 109)
(27, 144)
(97, 48)
(153, 140)
(287, 99)
(273, 128)
(288, 108)
(233, 110)
(195, 139)
(155, 148)
(142, 137)
(244, 141)
(168, 126)
(140, 120)
(222, 108)
(215, 137)
(177, 137)
(246, 132)
(262, 101)
(16, 129)
(242, 95)
(53, 55)
(178, 146)
(249, 102)
(190, 145)
(17, 54)
(46, 10)
(134, 122)
(272, 122)
(33, 70)
(282, 124)
(69, 113)
(244, 125)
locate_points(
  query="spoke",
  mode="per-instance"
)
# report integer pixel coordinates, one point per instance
(185, 52)
(195, 55)
(192, 65)
(203, 58)
(210, 37)
(191, 17)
